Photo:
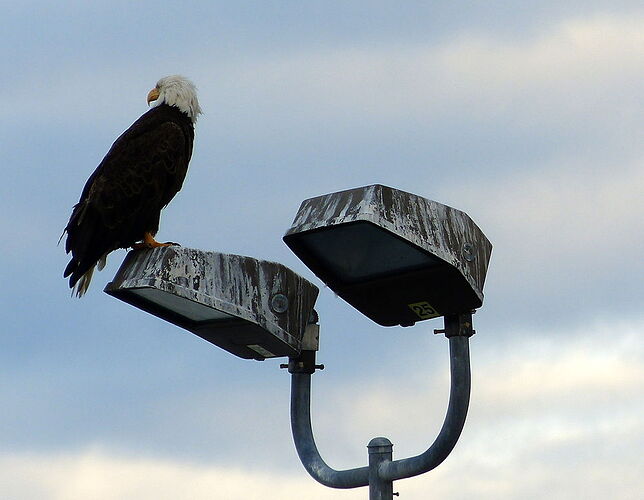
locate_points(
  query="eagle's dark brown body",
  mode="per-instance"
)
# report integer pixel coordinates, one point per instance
(123, 198)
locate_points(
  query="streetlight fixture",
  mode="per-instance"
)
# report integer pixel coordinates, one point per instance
(396, 257)
(252, 308)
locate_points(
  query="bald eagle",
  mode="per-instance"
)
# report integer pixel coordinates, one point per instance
(122, 200)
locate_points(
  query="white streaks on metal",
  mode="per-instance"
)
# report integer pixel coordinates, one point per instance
(439, 229)
(234, 284)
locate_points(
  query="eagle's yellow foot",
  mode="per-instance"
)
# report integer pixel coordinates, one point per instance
(150, 242)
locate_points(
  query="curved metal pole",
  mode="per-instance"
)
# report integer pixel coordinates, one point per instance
(305, 443)
(458, 329)
(459, 398)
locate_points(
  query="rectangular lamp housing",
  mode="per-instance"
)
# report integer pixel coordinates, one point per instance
(252, 308)
(396, 257)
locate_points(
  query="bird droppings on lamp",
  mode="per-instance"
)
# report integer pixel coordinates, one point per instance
(395, 256)
(253, 308)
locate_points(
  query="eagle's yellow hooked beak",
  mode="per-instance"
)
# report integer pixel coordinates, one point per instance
(153, 95)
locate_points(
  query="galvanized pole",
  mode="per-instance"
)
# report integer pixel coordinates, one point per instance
(382, 470)
(453, 424)
(380, 451)
(303, 434)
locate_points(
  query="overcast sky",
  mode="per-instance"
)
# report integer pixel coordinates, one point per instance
(526, 115)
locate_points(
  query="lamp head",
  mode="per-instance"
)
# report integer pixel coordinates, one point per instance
(252, 308)
(396, 257)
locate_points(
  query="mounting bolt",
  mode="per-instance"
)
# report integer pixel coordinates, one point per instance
(469, 252)
(279, 303)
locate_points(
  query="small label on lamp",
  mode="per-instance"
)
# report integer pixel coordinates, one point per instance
(261, 351)
(424, 310)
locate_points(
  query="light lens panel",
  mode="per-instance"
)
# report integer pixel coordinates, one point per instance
(360, 251)
(179, 305)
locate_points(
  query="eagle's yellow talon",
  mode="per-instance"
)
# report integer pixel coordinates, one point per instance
(150, 242)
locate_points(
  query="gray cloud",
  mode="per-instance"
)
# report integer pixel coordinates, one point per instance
(526, 119)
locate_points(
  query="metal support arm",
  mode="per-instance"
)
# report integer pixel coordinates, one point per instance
(458, 329)
(382, 470)
(305, 443)
(459, 398)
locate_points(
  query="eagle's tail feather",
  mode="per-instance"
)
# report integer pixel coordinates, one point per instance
(101, 262)
(80, 287)
(79, 283)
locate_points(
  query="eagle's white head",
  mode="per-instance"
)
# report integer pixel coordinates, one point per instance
(175, 90)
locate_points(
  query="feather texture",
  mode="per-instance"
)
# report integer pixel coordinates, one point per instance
(123, 198)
